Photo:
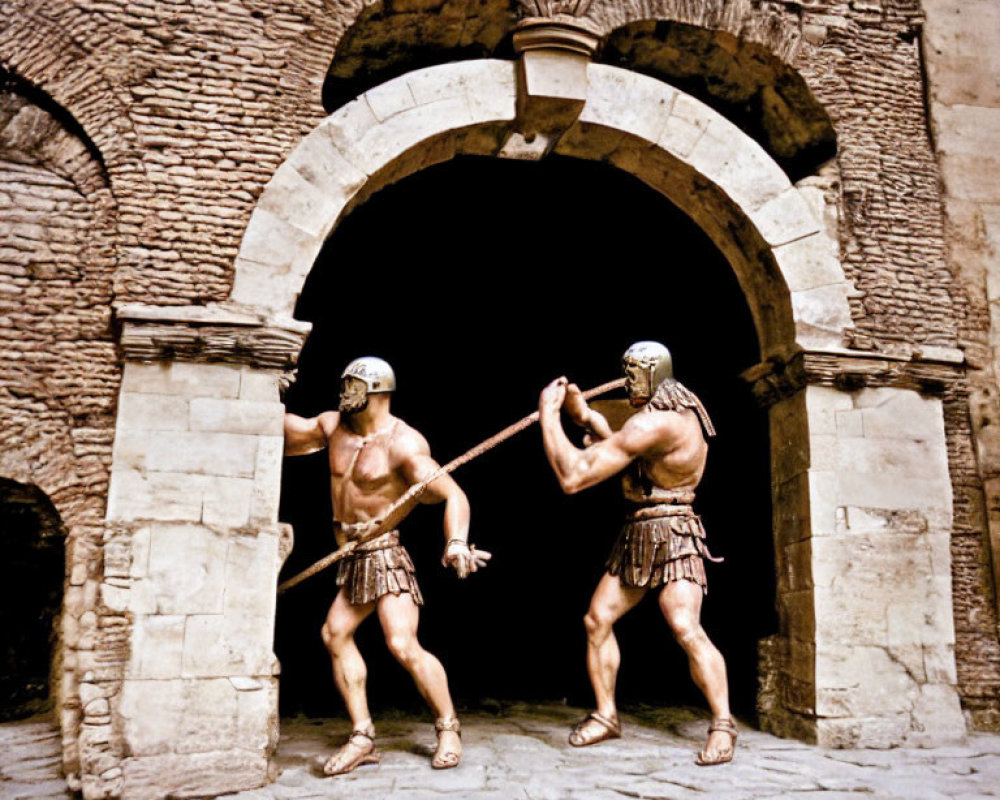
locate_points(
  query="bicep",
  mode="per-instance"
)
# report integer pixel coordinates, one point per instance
(610, 456)
(597, 463)
(303, 436)
(417, 468)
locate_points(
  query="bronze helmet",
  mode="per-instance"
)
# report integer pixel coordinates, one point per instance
(646, 365)
(362, 377)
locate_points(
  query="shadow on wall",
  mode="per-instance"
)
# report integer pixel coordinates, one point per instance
(32, 538)
(481, 280)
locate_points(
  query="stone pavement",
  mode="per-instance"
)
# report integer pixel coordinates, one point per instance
(30, 761)
(520, 753)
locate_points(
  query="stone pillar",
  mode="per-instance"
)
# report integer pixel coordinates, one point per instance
(863, 511)
(192, 553)
(963, 94)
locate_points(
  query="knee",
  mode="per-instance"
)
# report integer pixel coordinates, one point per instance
(686, 628)
(403, 647)
(597, 623)
(333, 636)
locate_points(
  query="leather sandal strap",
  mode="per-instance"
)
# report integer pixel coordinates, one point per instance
(449, 725)
(611, 724)
(723, 726)
(364, 734)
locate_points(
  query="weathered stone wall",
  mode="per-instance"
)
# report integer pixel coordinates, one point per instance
(206, 93)
(57, 370)
(58, 365)
(963, 73)
(191, 107)
(881, 511)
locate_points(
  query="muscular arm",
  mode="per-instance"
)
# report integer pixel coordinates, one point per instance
(577, 469)
(304, 436)
(416, 464)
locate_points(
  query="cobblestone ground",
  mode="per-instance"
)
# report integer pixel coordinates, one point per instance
(521, 754)
(30, 761)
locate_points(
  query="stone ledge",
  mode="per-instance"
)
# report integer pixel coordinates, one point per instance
(927, 371)
(217, 333)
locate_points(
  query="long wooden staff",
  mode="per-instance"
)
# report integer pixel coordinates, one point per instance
(405, 503)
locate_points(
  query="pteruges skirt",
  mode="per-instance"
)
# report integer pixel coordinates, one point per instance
(376, 568)
(658, 545)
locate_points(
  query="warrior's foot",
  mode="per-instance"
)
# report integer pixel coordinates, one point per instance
(594, 728)
(449, 749)
(359, 749)
(720, 745)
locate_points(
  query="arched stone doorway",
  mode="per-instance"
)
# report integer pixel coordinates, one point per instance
(712, 171)
(211, 507)
(33, 540)
(471, 353)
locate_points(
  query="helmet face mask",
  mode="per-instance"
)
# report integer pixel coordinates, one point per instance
(353, 395)
(646, 365)
(361, 378)
(637, 384)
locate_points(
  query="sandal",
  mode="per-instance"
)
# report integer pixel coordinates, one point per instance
(345, 759)
(724, 725)
(449, 758)
(610, 729)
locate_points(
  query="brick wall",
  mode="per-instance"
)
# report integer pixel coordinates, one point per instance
(58, 366)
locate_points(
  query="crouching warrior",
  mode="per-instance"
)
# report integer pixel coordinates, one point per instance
(374, 458)
(662, 449)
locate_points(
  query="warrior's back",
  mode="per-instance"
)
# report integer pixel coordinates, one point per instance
(677, 461)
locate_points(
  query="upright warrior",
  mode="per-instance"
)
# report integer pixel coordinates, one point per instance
(663, 450)
(374, 458)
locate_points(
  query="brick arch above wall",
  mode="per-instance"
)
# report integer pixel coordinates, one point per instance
(46, 55)
(486, 22)
(786, 262)
(747, 60)
(774, 28)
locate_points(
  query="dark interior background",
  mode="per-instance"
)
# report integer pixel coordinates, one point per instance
(32, 538)
(480, 280)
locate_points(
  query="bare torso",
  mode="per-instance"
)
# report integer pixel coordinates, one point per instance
(367, 472)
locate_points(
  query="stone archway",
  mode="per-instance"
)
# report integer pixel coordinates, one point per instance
(208, 511)
(787, 263)
(784, 259)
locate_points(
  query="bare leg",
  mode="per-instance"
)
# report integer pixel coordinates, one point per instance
(611, 600)
(349, 674)
(680, 602)
(400, 616)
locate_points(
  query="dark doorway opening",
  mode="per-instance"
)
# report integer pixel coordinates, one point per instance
(32, 537)
(480, 280)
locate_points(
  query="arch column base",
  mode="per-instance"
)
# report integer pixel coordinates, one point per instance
(862, 500)
(192, 549)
